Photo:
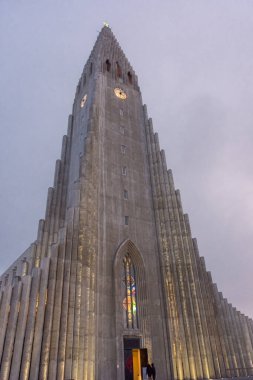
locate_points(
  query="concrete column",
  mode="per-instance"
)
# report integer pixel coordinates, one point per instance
(198, 310)
(4, 315)
(230, 333)
(236, 340)
(213, 325)
(168, 207)
(21, 327)
(207, 287)
(53, 355)
(11, 331)
(47, 328)
(38, 334)
(65, 304)
(218, 332)
(31, 317)
(228, 353)
(72, 294)
(248, 352)
(163, 248)
(191, 290)
(208, 366)
(176, 333)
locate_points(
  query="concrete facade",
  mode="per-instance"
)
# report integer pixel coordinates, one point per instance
(114, 218)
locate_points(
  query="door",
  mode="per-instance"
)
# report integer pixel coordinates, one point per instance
(129, 345)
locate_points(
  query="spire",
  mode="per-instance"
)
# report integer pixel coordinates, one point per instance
(108, 50)
(108, 57)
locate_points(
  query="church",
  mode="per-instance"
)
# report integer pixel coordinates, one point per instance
(114, 279)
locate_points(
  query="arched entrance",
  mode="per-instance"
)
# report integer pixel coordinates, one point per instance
(131, 304)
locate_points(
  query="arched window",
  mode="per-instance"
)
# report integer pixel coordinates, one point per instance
(108, 65)
(129, 294)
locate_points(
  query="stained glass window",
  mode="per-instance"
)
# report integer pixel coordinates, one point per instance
(130, 308)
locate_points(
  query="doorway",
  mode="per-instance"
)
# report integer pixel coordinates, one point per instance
(129, 345)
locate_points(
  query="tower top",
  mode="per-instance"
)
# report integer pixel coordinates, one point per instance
(107, 57)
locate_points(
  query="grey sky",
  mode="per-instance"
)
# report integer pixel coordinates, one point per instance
(194, 60)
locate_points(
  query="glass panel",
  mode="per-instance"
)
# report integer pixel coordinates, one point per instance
(129, 294)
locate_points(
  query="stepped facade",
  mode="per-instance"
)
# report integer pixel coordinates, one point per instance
(114, 266)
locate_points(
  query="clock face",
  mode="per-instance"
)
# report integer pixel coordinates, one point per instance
(120, 93)
(83, 101)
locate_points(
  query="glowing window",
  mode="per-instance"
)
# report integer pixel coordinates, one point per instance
(130, 307)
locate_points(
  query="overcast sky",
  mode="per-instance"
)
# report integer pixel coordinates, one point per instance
(194, 60)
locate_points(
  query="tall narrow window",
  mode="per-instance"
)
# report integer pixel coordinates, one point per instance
(126, 220)
(118, 70)
(24, 268)
(130, 78)
(124, 170)
(91, 68)
(108, 65)
(122, 130)
(130, 308)
(125, 194)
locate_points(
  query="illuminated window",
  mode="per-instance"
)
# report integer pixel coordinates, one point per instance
(130, 308)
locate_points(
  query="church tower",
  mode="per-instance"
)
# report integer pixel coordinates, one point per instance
(114, 268)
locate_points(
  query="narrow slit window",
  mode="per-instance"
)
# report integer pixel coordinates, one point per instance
(108, 65)
(24, 268)
(124, 170)
(126, 220)
(118, 70)
(91, 68)
(122, 130)
(125, 194)
(130, 78)
(123, 149)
